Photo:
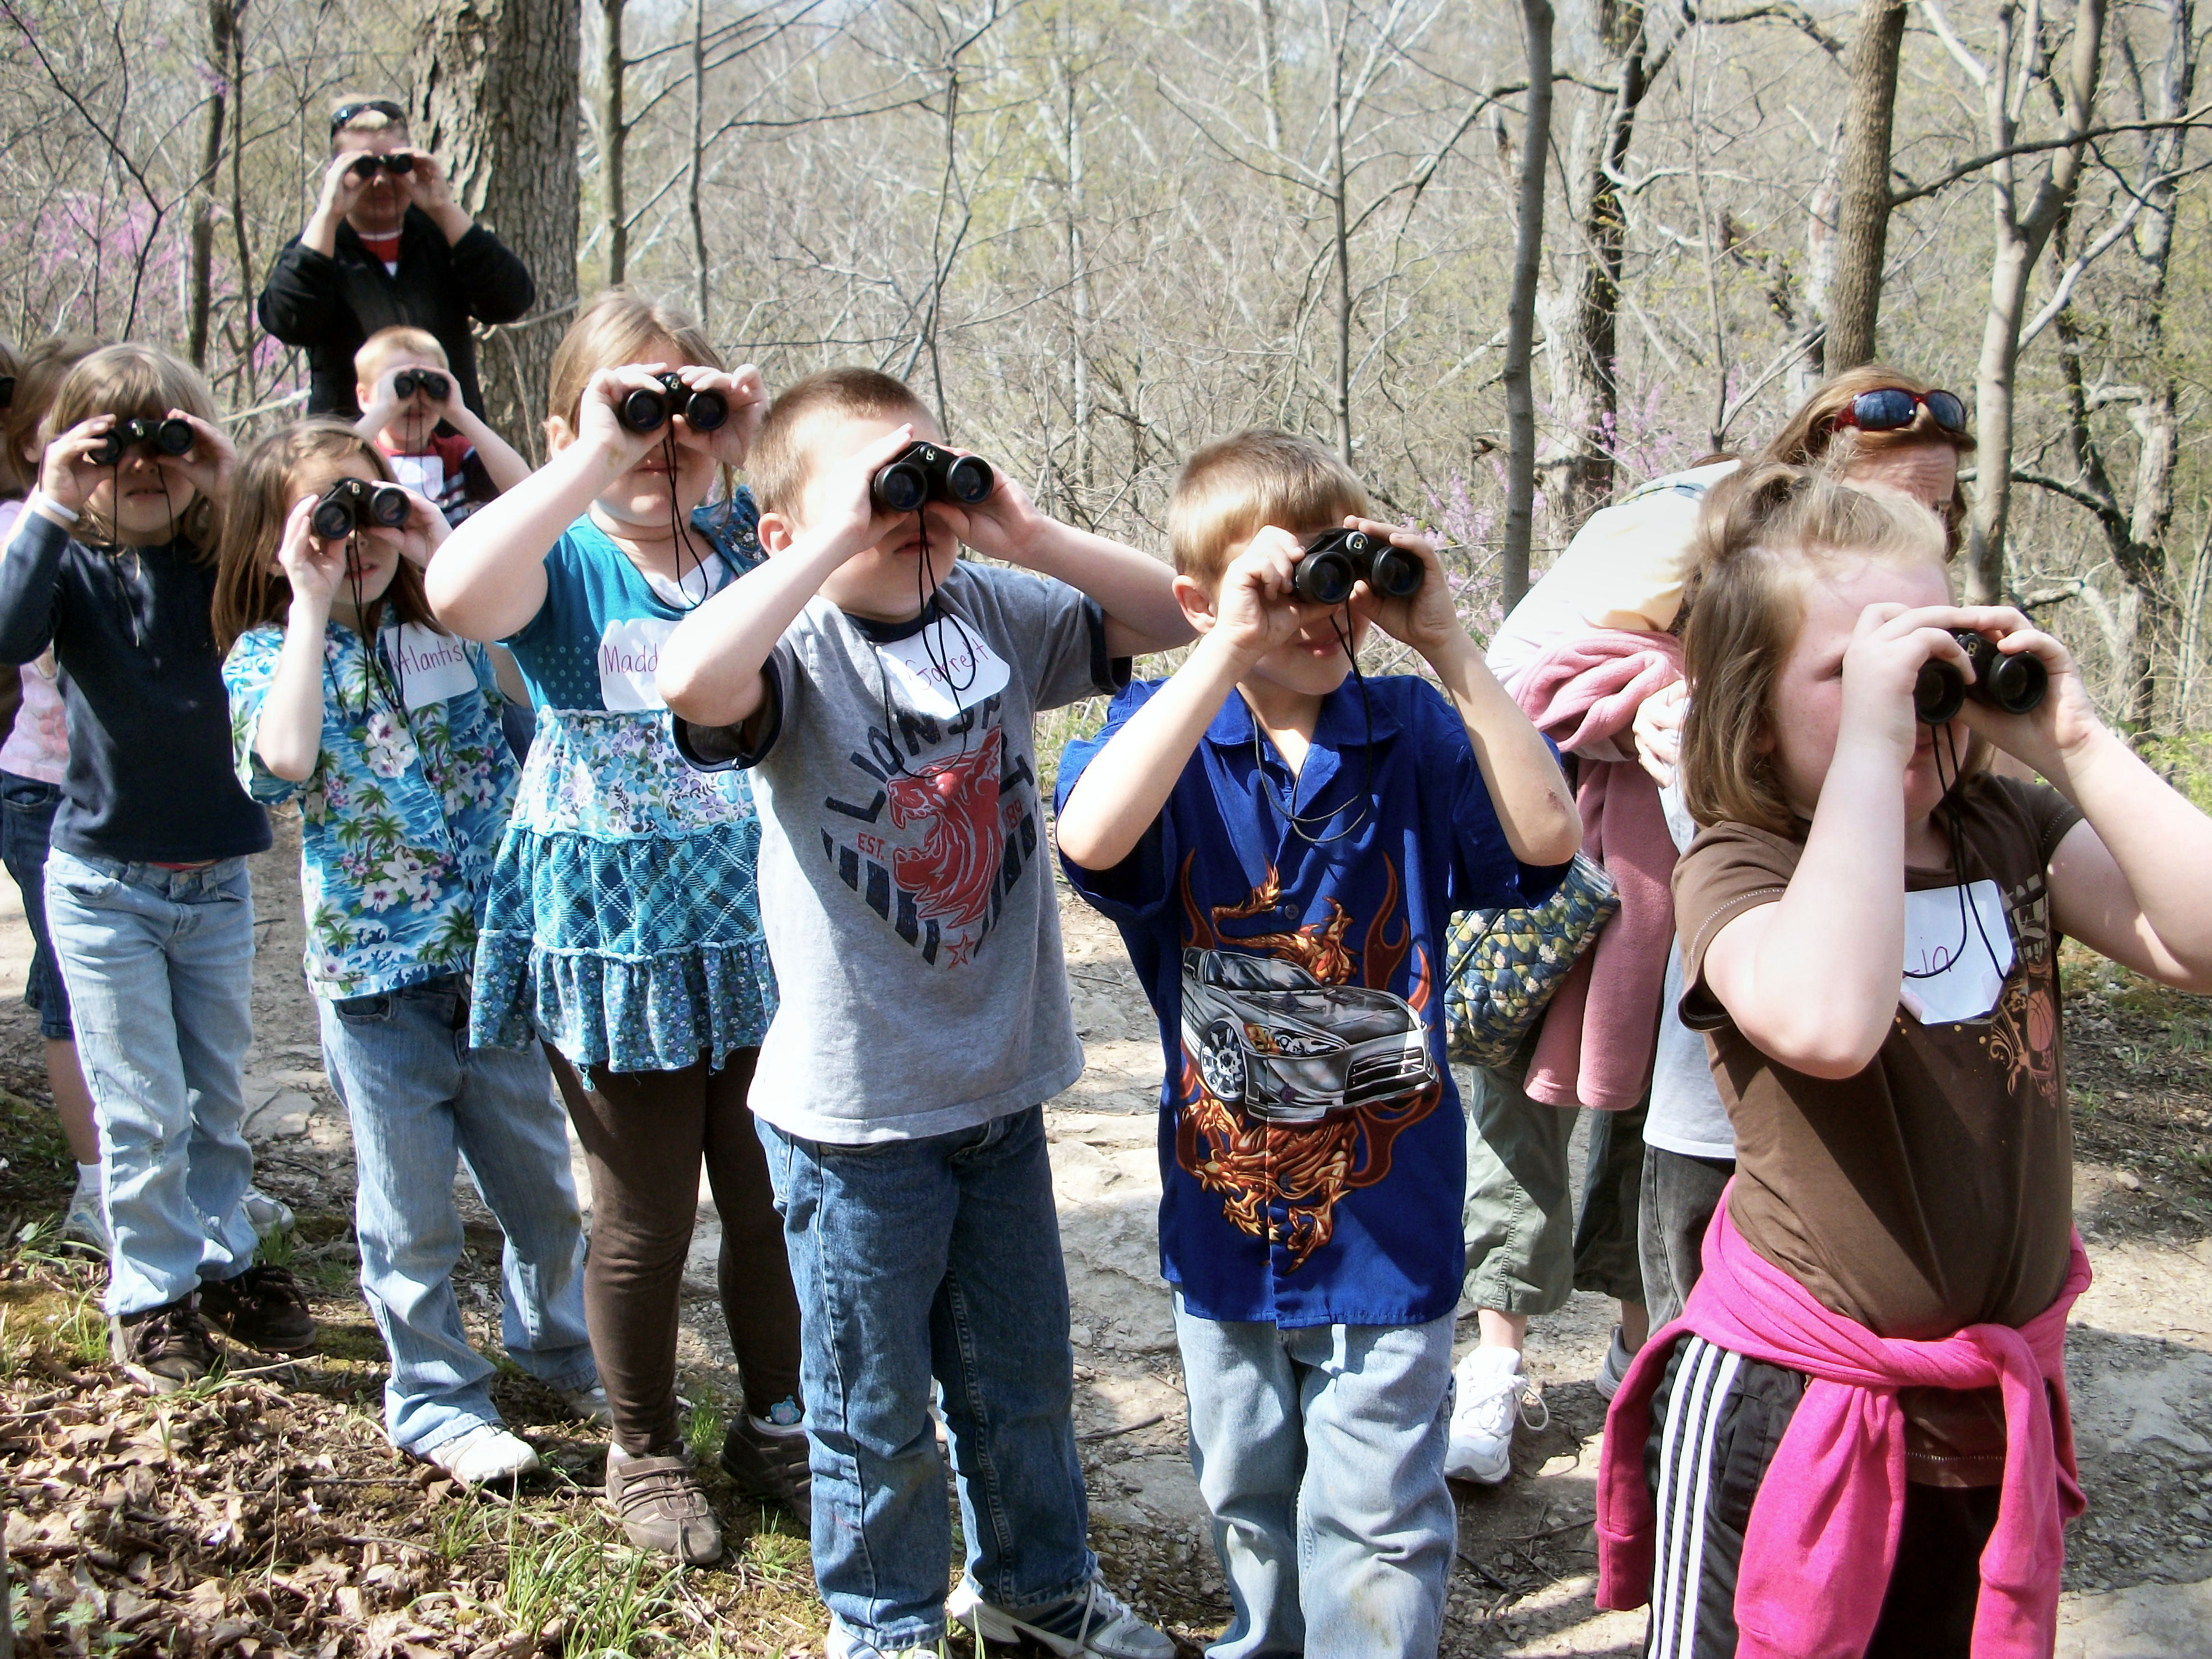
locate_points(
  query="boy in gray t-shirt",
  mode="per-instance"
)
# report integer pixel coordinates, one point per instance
(884, 695)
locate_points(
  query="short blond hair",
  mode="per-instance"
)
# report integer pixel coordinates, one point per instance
(378, 351)
(782, 457)
(619, 326)
(1234, 486)
(367, 121)
(1766, 533)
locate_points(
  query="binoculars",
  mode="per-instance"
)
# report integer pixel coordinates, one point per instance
(429, 381)
(349, 504)
(168, 437)
(2013, 683)
(7, 391)
(367, 167)
(1337, 560)
(648, 411)
(925, 473)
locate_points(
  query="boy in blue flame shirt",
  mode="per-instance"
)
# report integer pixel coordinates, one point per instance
(1282, 851)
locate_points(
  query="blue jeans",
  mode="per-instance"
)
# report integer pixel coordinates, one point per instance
(937, 1256)
(159, 969)
(27, 828)
(419, 1098)
(1321, 1453)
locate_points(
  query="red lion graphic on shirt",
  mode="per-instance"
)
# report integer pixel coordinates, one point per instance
(950, 874)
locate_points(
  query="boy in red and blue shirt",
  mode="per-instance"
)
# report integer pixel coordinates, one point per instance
(1282, 851)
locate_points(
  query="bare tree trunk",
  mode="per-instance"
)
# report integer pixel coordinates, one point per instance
(1338, 43)
(1520, 306)
(499, 100)
(1078, 286)
(1862, 210)
(692, 183)
(235, 69)
(614, 140)
(1806, 373)
(223, 17)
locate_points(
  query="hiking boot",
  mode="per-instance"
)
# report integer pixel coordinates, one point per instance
(163, 1349)
(765, 1458)
(1094, 1622)
(262, 1308)
(662, 1507)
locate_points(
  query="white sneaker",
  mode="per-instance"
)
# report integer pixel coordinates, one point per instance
(269, 1215)
(1614, 1372)
(486, 1453)
(87, 1221)
(1493, 1389)
(842, 1643)
(1097, 1622)
(588, 1405)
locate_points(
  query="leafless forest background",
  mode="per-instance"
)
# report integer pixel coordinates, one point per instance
(1094, 234)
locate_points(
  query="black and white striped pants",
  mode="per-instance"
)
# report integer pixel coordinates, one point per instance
(1717, 1421)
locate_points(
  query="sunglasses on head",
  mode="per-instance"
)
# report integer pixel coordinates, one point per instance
(1892, 409)
(365, 166)
(384, 106)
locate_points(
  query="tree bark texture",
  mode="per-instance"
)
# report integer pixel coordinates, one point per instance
(1854, 300)
(1520, 306)
(497, 86)
(223, 19)
(614, 140)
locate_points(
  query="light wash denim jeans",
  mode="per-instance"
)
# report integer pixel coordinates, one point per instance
(937, 1256)
(419, 1097)
(1321, 1453)
(158, 965)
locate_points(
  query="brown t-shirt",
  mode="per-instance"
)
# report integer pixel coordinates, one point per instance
(1935, 1189)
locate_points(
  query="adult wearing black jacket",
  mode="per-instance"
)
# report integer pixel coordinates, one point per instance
(384, 247)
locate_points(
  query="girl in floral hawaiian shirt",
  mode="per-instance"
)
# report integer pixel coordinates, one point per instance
(623, 924)
(345, 696)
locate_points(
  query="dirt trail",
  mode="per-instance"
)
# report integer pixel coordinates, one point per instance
(2140, 1354)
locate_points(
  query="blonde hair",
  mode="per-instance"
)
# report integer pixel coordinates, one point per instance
(1232, 488)
(1766, 534)
(618, 327)
(367, 121)
(137, 382)
(782, 457)
(249, 591)
(40, 375)
(378, 351)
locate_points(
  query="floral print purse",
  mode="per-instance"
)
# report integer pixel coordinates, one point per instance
(1506, 965)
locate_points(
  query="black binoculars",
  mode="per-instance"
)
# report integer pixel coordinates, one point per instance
(433, 384)
(168, 437)
(367, 166)
(7, 391)
(925, 473)
(349, 504)
(1337, 560)
(2014, 684)
(648, 411)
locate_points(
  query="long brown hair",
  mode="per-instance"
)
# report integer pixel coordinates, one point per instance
(619, 327)
(45, 367)
(138, 382)
(1767, 532)
(250, 591)
(1811, 434)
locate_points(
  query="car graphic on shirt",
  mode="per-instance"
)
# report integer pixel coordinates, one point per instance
(1271, 1039)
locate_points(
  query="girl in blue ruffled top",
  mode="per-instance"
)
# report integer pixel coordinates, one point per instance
(622, 925)
(345, 698)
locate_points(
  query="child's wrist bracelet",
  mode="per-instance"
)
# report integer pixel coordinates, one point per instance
(40, 499)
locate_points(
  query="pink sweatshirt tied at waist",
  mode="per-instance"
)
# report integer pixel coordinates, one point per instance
(1595, 1046)
(1821, 1540)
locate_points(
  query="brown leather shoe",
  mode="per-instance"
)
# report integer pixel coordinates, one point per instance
(263, 1308)
(163, 1349)
(662, 1507)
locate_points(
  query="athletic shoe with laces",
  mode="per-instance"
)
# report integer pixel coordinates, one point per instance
(263, 1308)
(766, 1458)
(1614, 1372)
(842, 1643)
(661, 1505)
(1093, 1621)
(269, 1215)
(588, 1405)
(87, 1221)
(485, 1454)
(163, 1349)
(1492, 1390)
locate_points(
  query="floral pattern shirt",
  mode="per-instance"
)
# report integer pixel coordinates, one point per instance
(402, 815)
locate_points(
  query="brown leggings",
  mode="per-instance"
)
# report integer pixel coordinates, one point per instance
(643, 1134)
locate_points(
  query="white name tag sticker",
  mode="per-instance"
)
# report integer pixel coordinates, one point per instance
(942, 670)
(432, 667)
(630, 664)
(1961, 981)
(423, 474)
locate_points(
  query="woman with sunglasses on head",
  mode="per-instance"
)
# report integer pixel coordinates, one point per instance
(1661, 1147)
(386, 245)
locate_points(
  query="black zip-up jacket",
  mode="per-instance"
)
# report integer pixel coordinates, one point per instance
(329, 304)
(150, 770)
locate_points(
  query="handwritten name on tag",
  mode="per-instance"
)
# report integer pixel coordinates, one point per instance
(1962, 979)
(945, 668)
(630, 664)
(432, 667)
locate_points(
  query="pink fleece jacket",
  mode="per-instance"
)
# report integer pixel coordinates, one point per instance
(1821, 1540)
(1596, 1044)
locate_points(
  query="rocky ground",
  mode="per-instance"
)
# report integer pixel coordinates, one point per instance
(265, 1513)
